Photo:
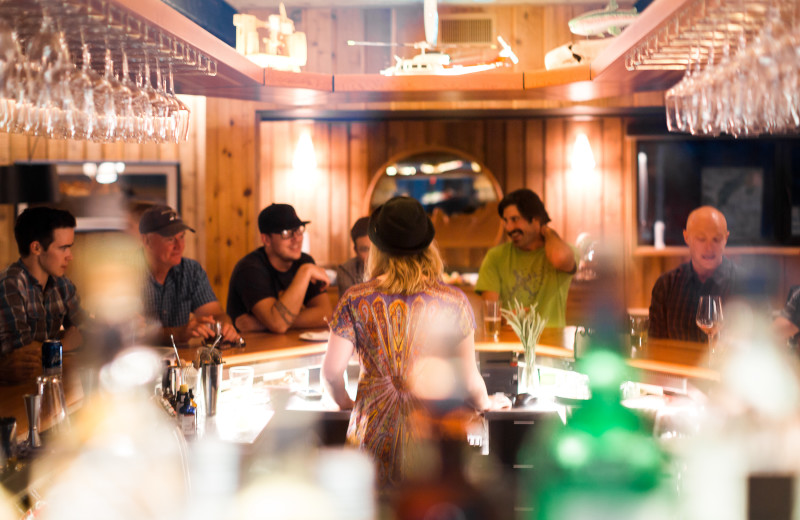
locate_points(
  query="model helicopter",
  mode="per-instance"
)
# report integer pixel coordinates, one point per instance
(283, 49)
(434, 62)
(430, 60)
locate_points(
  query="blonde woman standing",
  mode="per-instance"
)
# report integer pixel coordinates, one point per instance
(400, 323)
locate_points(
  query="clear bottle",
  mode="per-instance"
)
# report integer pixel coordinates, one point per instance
(603, 464)
(743, 461)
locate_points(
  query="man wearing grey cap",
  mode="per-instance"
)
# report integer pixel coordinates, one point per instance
(277, 286)
(177, 292)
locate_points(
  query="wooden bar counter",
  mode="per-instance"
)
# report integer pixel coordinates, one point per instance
(673, 360)
(678, 358)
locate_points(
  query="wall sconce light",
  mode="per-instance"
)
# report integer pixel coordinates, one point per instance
(305, 157)
(582, 158)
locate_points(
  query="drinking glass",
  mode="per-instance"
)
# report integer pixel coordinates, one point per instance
(491, 318)
(10, 71)
(103, 97)
(178, 110)
(158, 102)
(143, 110)
(80, 85)
(709, 319)
(241, 388)
(639, 326)
(241, 381)
(672, 428)
(123, 103)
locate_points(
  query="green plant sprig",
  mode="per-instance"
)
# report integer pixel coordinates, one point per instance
(527, 324)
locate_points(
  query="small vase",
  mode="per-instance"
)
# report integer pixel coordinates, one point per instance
(528, 377)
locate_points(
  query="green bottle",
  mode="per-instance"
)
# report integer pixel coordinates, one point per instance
(603, 464)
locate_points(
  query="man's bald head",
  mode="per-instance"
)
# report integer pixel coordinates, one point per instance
(706, 234)
(707, 216)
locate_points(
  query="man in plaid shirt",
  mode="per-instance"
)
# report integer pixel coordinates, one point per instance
(673, 305)
(36, 299)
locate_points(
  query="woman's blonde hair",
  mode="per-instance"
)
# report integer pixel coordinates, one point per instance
(405, 274)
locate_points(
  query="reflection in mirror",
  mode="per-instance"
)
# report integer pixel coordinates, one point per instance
(459, 194)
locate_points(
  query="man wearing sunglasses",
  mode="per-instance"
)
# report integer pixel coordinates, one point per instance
(277, 286)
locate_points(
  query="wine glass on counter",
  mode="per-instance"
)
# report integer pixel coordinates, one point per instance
(709, 318)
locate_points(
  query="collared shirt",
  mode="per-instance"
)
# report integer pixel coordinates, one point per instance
(30, 312)
(673, 305)
(349, 274)
(185, 288)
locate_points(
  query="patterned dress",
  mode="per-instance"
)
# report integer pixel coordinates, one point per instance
(392, 332)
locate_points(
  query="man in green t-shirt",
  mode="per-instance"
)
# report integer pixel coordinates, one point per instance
(536, 266)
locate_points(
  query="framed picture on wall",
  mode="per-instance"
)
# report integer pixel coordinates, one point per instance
(738, 193)
(100, 194)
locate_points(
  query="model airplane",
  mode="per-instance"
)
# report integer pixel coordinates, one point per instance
(283, 49)
(431, 61)
(610, 20)
(438, 63)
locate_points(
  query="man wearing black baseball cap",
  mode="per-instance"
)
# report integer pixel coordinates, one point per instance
(277, 286)
(177, 292)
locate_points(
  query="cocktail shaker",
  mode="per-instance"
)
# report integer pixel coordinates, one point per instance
(211, 376)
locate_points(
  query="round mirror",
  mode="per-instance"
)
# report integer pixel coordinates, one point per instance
(459, 194)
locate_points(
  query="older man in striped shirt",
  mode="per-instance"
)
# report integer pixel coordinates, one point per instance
(673, 305)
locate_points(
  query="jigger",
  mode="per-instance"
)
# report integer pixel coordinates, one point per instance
(33, 408)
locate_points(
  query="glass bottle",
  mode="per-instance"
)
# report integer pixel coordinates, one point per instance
(603, 463)
(187, 417)
(50, 385)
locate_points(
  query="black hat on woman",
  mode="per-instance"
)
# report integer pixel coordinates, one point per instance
(401, 227)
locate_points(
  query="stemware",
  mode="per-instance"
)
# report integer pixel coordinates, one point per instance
(709, 319)
(82, 97)
(10, 71)
(179, 111)
(48, 67)
(163, 130)
(103, 92)
(142, 109)
(123, 99)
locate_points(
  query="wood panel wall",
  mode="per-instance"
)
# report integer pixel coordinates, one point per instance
(519, 152)
(531, 153)
(189, 155)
